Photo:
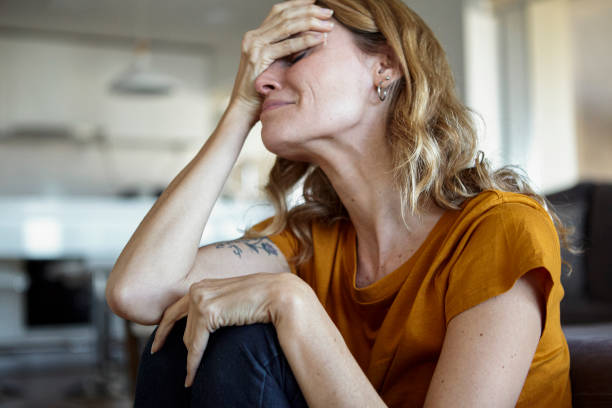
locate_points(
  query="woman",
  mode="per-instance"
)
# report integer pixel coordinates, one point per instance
(411, 275)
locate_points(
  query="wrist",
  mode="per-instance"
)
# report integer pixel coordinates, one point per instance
(245, 111)
(235, 119)
(293, 302)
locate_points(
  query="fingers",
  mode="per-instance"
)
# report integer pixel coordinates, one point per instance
(293, 45)
(292, 30)
(298, 11)
(296, 26)
(285, 5)
(160, 336)
(195, 338)
(285, 23)
(175, 312)
(296, 20)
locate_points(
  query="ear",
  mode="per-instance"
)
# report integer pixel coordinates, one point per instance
(385, 69)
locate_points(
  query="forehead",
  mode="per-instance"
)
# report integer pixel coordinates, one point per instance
(341, 40)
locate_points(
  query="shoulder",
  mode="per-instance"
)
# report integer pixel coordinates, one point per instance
(495, 200)
(511, 213)
(511, 223)
(502, 237)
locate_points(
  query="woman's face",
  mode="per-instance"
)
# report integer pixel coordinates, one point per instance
(319, 94)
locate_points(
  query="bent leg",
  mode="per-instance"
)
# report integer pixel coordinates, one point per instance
(161, 376)
(244, 366)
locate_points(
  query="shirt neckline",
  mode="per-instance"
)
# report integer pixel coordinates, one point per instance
(388, 285)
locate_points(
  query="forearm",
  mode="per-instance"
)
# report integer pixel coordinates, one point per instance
(162, 250)
(325, 369)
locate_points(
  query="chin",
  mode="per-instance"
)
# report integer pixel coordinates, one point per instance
(280, 140)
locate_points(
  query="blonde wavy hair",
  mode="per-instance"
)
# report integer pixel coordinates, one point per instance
(430, 132)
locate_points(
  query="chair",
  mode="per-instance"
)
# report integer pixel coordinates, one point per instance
(586, 310)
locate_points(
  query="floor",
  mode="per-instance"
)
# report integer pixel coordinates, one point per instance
(64, 367)
(65, 387)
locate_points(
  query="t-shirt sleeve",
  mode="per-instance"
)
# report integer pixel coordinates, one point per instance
(285, 241)
(505, 243)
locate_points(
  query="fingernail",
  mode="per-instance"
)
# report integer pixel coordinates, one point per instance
(328, 11)
(325, 39)
(186, 386)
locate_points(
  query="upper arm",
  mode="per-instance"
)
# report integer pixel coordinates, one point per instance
(236, 258)
(488, 349)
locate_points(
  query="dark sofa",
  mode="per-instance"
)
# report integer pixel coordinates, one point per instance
(586, 310)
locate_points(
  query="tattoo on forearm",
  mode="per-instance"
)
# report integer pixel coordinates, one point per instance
(257, 245)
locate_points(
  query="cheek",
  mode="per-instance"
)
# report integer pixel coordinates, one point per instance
(331, 99)
(334, 99)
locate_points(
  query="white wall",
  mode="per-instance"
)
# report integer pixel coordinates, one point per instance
(65, 85)
(553, 157)
(519, 76)
(62, 82)
(445, 18)
(592, 34)
(482, 77)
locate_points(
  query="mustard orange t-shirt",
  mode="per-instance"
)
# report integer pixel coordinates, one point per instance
(395, 327)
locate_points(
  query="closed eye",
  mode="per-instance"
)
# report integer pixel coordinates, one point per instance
(294, 58)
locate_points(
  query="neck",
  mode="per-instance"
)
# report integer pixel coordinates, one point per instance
(363, 180)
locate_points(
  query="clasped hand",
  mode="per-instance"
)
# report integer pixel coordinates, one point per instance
(214, 303)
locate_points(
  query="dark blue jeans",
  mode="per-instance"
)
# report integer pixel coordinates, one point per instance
(242, 367)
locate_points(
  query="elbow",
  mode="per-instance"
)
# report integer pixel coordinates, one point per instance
(131, 305)
(114, 300)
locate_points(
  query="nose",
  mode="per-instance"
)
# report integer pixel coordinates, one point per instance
(270, 80)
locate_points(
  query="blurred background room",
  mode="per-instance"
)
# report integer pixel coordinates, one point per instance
(102, 103)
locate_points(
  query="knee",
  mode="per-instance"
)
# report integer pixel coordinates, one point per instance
(172, 351)
(238, 351)
(229, 346)
(232, 338)
(230, 350)
(161, 376)
(236, 362)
